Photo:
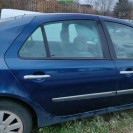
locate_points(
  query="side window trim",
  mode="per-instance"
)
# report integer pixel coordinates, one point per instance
(48, 56)
(104, 45)
(103, 40)
(109, 40)
(45, 41)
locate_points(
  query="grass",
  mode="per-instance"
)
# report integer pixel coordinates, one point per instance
(120, 122)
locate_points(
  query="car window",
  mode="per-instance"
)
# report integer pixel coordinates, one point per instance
(77, 39)
(122, 39)
(54, 35)
(34, 46)
(72, 31)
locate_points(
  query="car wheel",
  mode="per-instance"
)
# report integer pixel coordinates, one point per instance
(14, 118)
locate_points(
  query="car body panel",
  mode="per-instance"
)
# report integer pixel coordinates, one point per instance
(14, 90)
(125, 82)
(101, 77)
(10, 29)
(125, 88)
(68, 78)
(66, 75)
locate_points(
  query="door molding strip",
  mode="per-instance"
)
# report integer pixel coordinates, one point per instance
(91, 96)
(85, 96)
(124, 92)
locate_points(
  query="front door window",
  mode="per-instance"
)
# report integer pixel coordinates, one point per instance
(122, 38)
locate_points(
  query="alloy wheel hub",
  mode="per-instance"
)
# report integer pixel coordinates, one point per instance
(2, 129)
(10, 122)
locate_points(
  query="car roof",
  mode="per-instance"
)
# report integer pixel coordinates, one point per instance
(63, 16)
(49, 17)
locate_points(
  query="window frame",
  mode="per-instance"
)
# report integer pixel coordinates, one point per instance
(104, 46)
(110, 43)
(101, 34)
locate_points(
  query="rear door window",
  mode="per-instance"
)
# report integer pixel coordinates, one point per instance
(74, 39)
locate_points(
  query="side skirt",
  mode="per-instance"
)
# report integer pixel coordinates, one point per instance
(50, 119)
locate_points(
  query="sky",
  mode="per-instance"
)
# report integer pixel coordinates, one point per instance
(83, 1)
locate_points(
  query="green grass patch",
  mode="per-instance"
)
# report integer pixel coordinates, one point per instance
(120, 122)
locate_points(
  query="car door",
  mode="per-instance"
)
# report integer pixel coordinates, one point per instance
(121, 38)
(66, 67)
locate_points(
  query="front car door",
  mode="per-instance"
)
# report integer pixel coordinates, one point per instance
(65, 65)
(121, 38)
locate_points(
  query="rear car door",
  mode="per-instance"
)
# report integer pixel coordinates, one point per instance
(121, 38)
(65, 66)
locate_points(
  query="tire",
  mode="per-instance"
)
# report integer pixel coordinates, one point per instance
(12, 113)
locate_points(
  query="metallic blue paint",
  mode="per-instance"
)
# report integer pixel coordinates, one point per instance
(10, 30)
(68, 77)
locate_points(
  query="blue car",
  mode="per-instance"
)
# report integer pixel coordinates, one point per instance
(59, 67)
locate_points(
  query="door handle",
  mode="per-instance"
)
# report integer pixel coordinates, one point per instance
(36, 77)
(126, 72)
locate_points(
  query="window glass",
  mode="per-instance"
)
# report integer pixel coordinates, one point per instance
(34, 46)
(72, 31)
(77, 38)
(122, 39)
(53, 32)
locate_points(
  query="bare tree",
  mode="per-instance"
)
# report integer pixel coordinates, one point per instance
(123, 9)
(132, 10)
(103, 6)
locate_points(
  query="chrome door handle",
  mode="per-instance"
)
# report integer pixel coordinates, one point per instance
(36, 76)
(126, 72)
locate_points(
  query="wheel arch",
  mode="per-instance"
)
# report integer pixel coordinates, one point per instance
(25, 104)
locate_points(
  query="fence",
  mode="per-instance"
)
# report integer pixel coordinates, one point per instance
(46, 6)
